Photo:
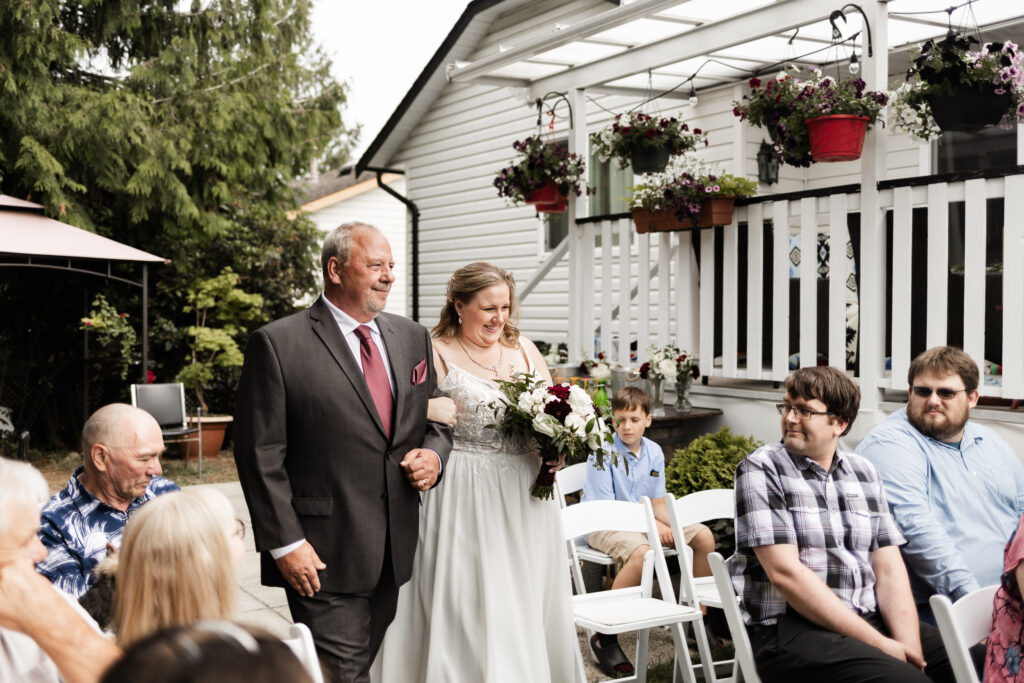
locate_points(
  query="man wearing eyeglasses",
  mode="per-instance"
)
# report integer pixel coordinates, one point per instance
(824, 592)
(955, 488)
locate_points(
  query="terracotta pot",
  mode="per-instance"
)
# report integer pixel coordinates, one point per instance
(714, 211)
(214, 428)
(547, 194)
(969, 110)
(648, 159)
(838, 137)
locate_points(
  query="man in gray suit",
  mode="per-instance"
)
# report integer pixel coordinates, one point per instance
(333, 447)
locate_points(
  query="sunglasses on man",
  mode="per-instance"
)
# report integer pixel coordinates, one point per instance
(944, 393)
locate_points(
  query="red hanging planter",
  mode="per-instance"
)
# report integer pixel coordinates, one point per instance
(838, 137)
(546, 194)
(553, 207)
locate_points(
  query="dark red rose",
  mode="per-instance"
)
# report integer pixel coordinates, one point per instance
(558, 410)
(645, 368)
(560, 390)
(695, 372)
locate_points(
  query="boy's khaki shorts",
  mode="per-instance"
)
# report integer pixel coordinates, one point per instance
(621, 544)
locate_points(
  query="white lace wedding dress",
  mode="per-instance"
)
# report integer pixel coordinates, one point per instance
(489, 600)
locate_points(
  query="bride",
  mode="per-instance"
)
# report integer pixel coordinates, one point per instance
(489, 596)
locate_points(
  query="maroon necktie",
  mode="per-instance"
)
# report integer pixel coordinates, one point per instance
(376, 376)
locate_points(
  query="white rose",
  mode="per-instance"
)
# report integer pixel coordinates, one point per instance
(576, 423)
(545, 424)
(667, 368)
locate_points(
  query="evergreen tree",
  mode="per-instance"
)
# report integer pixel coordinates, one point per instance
(178, 130)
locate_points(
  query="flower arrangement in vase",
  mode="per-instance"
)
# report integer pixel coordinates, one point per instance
(792, 110)
(687, 370)
(544, 174)
(688, 194)
(951, 87)
(645, 141)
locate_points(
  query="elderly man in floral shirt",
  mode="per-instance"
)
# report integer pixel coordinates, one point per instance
(121, 446)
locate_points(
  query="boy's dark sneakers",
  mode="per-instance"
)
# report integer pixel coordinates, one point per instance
(610, 658)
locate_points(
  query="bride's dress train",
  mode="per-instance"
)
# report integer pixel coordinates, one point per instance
(489, 598)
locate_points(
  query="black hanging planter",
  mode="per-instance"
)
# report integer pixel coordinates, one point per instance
(648, 159)
(969, 110)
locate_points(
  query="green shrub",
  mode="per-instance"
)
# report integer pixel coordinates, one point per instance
(709, 462)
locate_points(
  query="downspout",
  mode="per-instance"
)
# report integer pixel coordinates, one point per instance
(414, 277)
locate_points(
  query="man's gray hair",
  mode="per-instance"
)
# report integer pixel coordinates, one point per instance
(338, 244)
(20, 483)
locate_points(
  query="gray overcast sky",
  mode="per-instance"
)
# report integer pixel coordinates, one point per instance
(380, 47)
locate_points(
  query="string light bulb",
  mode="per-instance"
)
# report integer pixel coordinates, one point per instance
(693, 97)
(854, 64)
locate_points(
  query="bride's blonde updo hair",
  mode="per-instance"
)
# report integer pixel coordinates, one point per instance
(464, 284)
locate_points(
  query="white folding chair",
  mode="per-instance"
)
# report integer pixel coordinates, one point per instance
(628, 609)
(962, 625)
(570, 480)
(738, 629)
(300, 640)
(692, 509)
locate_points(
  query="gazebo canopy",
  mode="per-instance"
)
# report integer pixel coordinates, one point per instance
(25, 231)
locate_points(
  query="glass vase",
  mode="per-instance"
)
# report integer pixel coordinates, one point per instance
(657, 405)
(683, 381)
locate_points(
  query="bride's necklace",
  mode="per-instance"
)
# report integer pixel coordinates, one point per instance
(489, 368)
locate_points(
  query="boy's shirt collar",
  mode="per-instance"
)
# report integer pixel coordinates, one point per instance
(621, 446)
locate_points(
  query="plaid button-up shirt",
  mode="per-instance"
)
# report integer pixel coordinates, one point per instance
(836, 519)
(76, 527)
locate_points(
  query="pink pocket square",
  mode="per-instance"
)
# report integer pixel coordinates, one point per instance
(419, 373)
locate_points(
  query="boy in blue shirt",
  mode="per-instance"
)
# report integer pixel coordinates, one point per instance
(631, 408)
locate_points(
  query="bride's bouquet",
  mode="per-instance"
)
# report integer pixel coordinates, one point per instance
(562, 419)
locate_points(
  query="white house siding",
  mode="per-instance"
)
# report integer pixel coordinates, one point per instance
(378, 208)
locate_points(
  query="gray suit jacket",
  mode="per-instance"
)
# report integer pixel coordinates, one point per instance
(313, 459)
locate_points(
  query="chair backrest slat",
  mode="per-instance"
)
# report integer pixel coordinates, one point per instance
(165, 402)
(731, 608)
(962, 624)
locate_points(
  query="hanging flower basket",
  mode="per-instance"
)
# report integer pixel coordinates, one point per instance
(969, 110)
(645, 142)
(547, 194)
(951, 87)
(544, 173)
(839, 137)
(785, 106)
(651, 159)
(553, 207)
(713, 211)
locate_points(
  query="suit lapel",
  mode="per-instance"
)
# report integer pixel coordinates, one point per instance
(396, 359)
(326, 328)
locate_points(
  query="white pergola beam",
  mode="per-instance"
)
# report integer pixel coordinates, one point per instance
(557, 38)
(759, 23)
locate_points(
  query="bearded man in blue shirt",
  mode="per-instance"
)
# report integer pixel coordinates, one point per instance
(955, 488)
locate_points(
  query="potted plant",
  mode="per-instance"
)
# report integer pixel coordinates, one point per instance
(687, 195)
(709, 462)
(816, 120)
(646, 142)
(222, 311)
(544, 174)
(951, 87)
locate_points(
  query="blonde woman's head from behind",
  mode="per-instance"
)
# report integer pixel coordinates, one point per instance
(177, 564)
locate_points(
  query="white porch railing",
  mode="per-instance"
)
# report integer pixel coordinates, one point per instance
(660, 292)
